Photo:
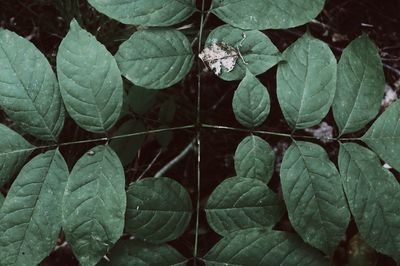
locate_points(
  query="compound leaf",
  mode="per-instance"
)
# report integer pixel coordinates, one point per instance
(384, 136)
(90, 81)
(127, 148)
(314, 196)
(360, 85)
(94, 204)
(158, 210)
(155, 58)
(373, 194)
(254, 158)
(251, 103)
(29, 91)
(306, 82)
(138, 253)
(14, 150)
(266, 14)
(146, 12)
(257, 52)
(241, 203)
(30, 219)
(258, 246)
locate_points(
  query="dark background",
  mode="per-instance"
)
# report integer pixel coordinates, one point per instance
(45, 22)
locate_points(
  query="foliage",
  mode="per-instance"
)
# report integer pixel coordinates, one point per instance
(99, 216)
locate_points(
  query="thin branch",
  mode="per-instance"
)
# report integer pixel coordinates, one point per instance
(174, 161)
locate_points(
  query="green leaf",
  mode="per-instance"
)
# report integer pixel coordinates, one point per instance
(251, 103)
(360, 85)
(266, 14)
(158, 210)
(1, 200)
(29, 91)
(14, 150)
(138, 253)
(257, 52)
(155, 58)
(127, 148)
(30, 219)
(314, 196)
(254, 158)
(373, 194)
(146, 12)
(140, 99)
(384, 136)
(164, 138)
(306, 82)
(258, 246)
(90, 81)
(241, 203)
(167, 112)
(94, 204)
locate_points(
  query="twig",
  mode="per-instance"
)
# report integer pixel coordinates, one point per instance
(174, 161)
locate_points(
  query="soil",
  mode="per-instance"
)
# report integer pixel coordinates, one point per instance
(340, 22)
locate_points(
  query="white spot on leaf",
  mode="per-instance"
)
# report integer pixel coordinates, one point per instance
(218, 56)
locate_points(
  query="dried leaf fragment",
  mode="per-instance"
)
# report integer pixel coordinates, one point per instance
(219, 55)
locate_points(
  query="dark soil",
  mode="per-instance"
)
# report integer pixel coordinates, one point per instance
(341, 21)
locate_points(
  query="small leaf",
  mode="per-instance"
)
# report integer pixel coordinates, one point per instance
(159, 209)
(261, 14)
(251, 103)
(127, 148)
(167, 112)
(140, 100)
(373, 194)
(257, 52)
(90, 81)
(241, 203)
(146, 12)
(29, 91)
(314, 196)
(360, 85)
(14, 150)
(384, 136)
(155, 58)
(306, 82)
(254, 158)
(94, 204)
(258, 246)
(30, 219)
(138, 253)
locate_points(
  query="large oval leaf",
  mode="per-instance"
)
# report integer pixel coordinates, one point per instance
(251, 102)
(30, 219)
(146, 12)
(14, 150)
(158, 210)
(29, 91)
(138, 253)
(267, 14)
(384, 136)
(254, 158)
(306, 82)
(94, 204)
(155, 58)
(263, 247)
(254, 51)
(90, 81)
(314, 196)
(360, 85)
(373, 194)
(241, 203)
